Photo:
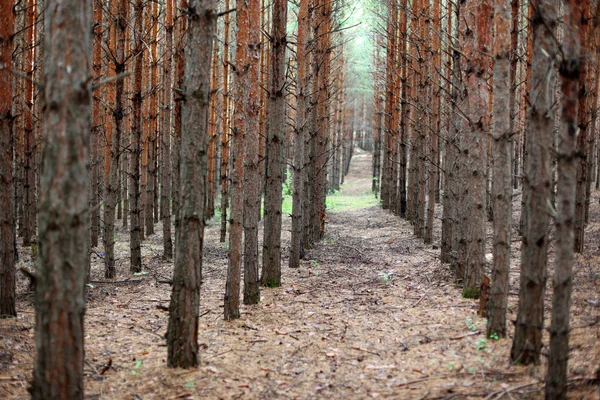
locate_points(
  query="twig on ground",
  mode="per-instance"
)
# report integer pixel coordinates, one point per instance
(421, 299)
(502, 392)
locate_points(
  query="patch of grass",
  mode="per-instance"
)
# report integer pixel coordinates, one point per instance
(337, 201)
(470, 293)
(343, 202)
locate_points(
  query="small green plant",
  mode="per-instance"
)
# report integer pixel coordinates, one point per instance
(136, 367)
(190, 384)
(470, 324)
(314, 263)
(386, 277)
(272, 283)
(494, 336)
(482, 344)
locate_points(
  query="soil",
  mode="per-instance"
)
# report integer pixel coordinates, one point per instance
(371, 313)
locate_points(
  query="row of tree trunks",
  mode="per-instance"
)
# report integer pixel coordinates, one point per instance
(449, 98)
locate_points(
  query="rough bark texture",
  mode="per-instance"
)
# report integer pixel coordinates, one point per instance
(180, 29)
(165, 160)
(151, 171)
(135, 207)
(225, 142)
(249, 110)
(394, 198)
(7, 200)
(115, 149)
(514, 116)
(297, 245)
(29, 201)
(556, 379)
(446, 246)
(271, 269)
(432, 162)
(63, 214)
(418, 151)
(97, 127)
(527, 343)
(502, 164)
(583, 121)
(182, 333)
(323, 68)
(404, 103)
(476, 37)
(246, 95)
(387, 193)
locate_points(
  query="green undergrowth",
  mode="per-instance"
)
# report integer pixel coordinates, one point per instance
(339, 201)
(343, 200)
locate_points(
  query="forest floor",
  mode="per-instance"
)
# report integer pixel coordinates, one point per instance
(371, 313)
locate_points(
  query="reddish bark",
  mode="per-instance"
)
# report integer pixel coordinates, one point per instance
(63, 212)
(7, 220)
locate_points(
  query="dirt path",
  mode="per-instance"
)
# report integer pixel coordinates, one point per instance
(371, 313)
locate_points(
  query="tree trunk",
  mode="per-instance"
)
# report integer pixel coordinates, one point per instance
(63, 215)
(583, 120)
(180, 30)
(165, 161)
(323, 33)
(249, 110)
(225, 142)
(212, 134)
(434, 130)
(135, 210)
(527, 342)
(476, 44)
(502, 173)
(7, 200)
(556, 378)
(271, 269)
(514, 43)
(404, 104)
(29, 201)
(387, 190)
(302, 90)
(96, 126)
(115, 150)
(244, 123)
(150, 205)
(182, 333)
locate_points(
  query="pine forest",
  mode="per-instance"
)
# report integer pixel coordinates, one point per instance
(299, 199)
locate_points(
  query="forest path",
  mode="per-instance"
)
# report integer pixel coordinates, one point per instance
(371, 313)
